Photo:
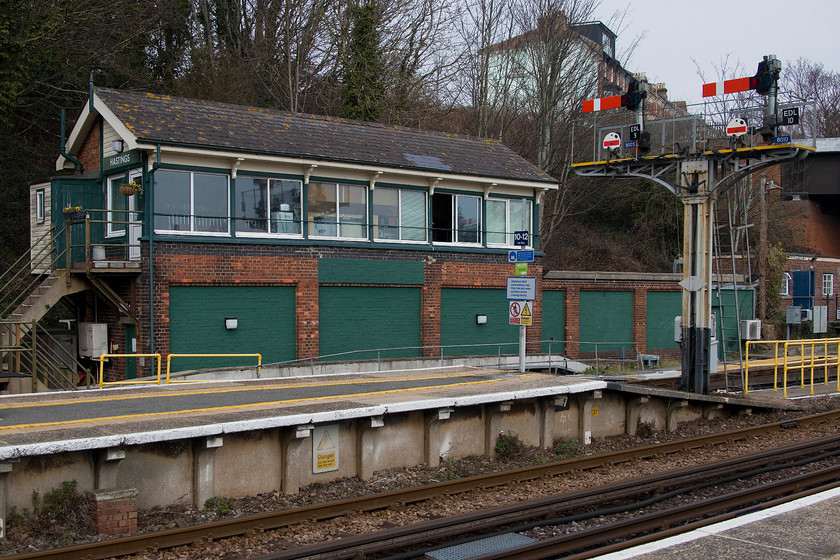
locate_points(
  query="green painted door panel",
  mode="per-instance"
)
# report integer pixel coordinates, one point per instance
(606, 318)
(553, 320)
(662, 308)
(265, 324)
(354, 318)
(458, 327)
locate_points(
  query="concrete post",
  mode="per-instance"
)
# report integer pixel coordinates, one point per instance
(107, 463)
(587, 412)
(634, 412)
(366, 448)
(673, 410)
(431, 451)
(291, 448)
(548, 407)
(5, 469)
(204, 457)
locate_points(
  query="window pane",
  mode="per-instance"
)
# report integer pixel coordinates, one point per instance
(413, 221)
(352, 208)
(442, 217)
(210, 199)
(285, 206)
(116, 201)
(468, 219)
(496, 222)
(251, 205)
(386, 213)
(321, 201)
(172, 200)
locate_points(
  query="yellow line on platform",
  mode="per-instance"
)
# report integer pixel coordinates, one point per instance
(241, 406)
(231, 390)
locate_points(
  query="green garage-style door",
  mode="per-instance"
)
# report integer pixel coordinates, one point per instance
(553, 320)
(606, 318)
(354, 318)
(265, 317)
(662, 308)
(460, 330)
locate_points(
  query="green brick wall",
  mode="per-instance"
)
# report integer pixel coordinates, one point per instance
(356, 318)
(458, 327)
(266, 317)
(606, 317)
(662, 308)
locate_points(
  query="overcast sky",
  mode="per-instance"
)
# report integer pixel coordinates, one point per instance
(678, 31)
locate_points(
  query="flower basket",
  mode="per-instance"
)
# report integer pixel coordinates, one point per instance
(74, 214)
(130, 189)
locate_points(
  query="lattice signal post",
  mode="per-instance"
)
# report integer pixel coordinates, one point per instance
(700, 178)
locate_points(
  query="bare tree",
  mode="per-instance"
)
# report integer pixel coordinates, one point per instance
(806, 82)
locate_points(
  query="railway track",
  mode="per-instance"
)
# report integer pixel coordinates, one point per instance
(491, 520)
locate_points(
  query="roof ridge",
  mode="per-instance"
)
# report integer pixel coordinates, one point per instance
(302, 115)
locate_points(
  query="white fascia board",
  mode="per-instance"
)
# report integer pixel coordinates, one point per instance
(83, 125)
(327, 164)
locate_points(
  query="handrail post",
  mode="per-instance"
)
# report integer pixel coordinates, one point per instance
(35, 357)
(68, 256)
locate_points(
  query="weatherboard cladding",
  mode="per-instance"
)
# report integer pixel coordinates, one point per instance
(190, 122)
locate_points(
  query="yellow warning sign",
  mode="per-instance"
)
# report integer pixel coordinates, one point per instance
(325, 449)
(525, 316)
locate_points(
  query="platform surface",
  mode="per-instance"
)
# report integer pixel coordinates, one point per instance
(805, 529)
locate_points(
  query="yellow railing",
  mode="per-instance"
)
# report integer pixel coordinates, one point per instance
(797, 356)
(170, 356)
(102, 358)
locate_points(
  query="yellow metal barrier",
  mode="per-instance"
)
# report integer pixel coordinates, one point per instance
(170, 356)
(797, 356)
(102, 381)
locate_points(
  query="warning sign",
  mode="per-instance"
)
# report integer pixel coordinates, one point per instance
(520, 313)
(525, 316)
(325, 449)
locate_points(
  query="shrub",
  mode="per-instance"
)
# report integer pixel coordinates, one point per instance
(507, 445)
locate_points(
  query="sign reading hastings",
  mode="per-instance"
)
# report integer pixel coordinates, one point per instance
(131, 157)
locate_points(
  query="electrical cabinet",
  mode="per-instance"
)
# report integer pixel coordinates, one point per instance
(93, 339)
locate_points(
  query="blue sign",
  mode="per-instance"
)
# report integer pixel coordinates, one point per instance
(521, 255)
(782, 139)
(521, 238)
(630, 144)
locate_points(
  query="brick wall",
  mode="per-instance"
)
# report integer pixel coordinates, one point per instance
(89, 152)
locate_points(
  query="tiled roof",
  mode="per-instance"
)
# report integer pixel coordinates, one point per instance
(207, 124)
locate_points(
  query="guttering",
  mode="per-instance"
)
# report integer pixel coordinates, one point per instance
(61, 150)
(427, 175)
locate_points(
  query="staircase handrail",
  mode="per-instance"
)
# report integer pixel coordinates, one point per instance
(48, 360)
(19, 280)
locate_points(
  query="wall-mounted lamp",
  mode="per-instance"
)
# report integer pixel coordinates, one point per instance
(118, 146)
(231, 323)
(480, 319)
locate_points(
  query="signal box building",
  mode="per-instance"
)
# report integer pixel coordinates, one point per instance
(204, 227)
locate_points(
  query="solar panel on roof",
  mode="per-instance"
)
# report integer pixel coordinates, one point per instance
(428, 162)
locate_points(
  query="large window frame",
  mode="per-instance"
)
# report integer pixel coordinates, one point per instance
(457, 219)
(192, 194)
(400, 215)
(518, 215)
(269, 207)
(337, 210)
(117, 204)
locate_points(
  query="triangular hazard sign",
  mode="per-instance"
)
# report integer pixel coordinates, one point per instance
(526, 310)
(326, 442)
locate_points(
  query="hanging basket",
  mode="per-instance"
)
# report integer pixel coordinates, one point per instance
(74, 215)
(129, 189)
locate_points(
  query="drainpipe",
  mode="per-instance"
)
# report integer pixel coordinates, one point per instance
(62, 151)
(149, 216)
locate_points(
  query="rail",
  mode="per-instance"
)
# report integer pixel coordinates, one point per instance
(103, 357)
(170, 356)
(796, 356)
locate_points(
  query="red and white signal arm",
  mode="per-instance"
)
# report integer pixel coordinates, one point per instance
(612, 140)
(736, 127)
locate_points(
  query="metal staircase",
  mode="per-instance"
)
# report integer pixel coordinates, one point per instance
(28, 289)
